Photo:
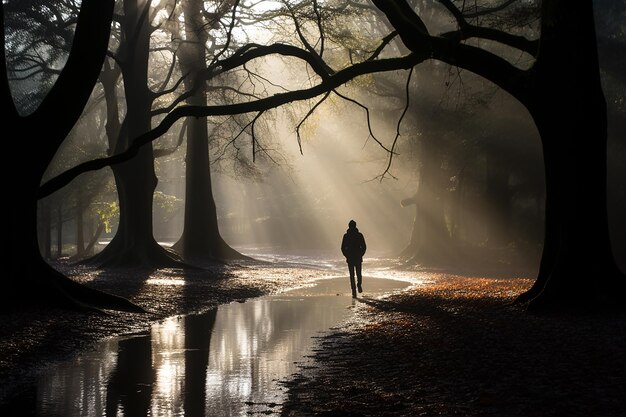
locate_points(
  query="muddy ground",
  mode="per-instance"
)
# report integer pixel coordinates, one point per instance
(451, 346)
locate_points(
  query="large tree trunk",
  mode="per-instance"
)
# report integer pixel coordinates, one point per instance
(577, 268)
(33, 282)
(201, 239)
(134, 245)
(564, 96)
(29, 279)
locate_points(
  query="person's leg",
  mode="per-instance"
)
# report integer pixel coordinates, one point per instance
(359, 277)
(351, 268)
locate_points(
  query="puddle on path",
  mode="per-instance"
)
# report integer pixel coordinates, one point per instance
(225, 362)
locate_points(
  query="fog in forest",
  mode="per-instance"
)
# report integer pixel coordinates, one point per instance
(299, 202)
(460, 167)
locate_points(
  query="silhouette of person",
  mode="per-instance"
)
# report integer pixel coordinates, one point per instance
(353, 248)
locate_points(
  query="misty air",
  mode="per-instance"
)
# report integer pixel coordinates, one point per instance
(314, 208)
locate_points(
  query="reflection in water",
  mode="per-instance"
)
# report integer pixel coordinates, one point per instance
(225, 362)
(86, 380)
(257, 343)
(197, 341)
(130, 386)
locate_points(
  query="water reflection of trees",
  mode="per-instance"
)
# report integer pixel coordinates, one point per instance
(198, 329)
(222, 362)
(79, 390)
(129, 389)
(257, 343)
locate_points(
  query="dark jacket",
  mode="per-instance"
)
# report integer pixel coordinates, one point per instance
(353, 246)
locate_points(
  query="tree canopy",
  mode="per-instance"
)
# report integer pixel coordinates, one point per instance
(559, 50)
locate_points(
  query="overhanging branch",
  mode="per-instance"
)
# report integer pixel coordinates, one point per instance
(340, 78)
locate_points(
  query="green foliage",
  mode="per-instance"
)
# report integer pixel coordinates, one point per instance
(107, 213)
(168, 203)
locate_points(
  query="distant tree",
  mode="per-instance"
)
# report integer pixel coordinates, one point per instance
(430, 241)
(82, 196)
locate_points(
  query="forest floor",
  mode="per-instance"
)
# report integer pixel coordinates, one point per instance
(453, 345)
(456, 346)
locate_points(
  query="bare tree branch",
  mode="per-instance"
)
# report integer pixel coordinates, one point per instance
(320, 26)
(158, 153)
(232, 141)
(480, 61)
(386, 40)
(168, 77)
(254, 141)
(170, 90)
(309, 113)
(252, 51)
(367, 115)
(489, 10)
(340, 78)
(395, 140)
(229, 34)
(301, 36)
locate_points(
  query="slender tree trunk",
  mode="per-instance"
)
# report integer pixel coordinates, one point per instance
(60, 229)
(93, 236)
(94, 239)
(80, 235)
(411, 249)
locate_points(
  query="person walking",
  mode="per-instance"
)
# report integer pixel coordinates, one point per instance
(353, 248)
